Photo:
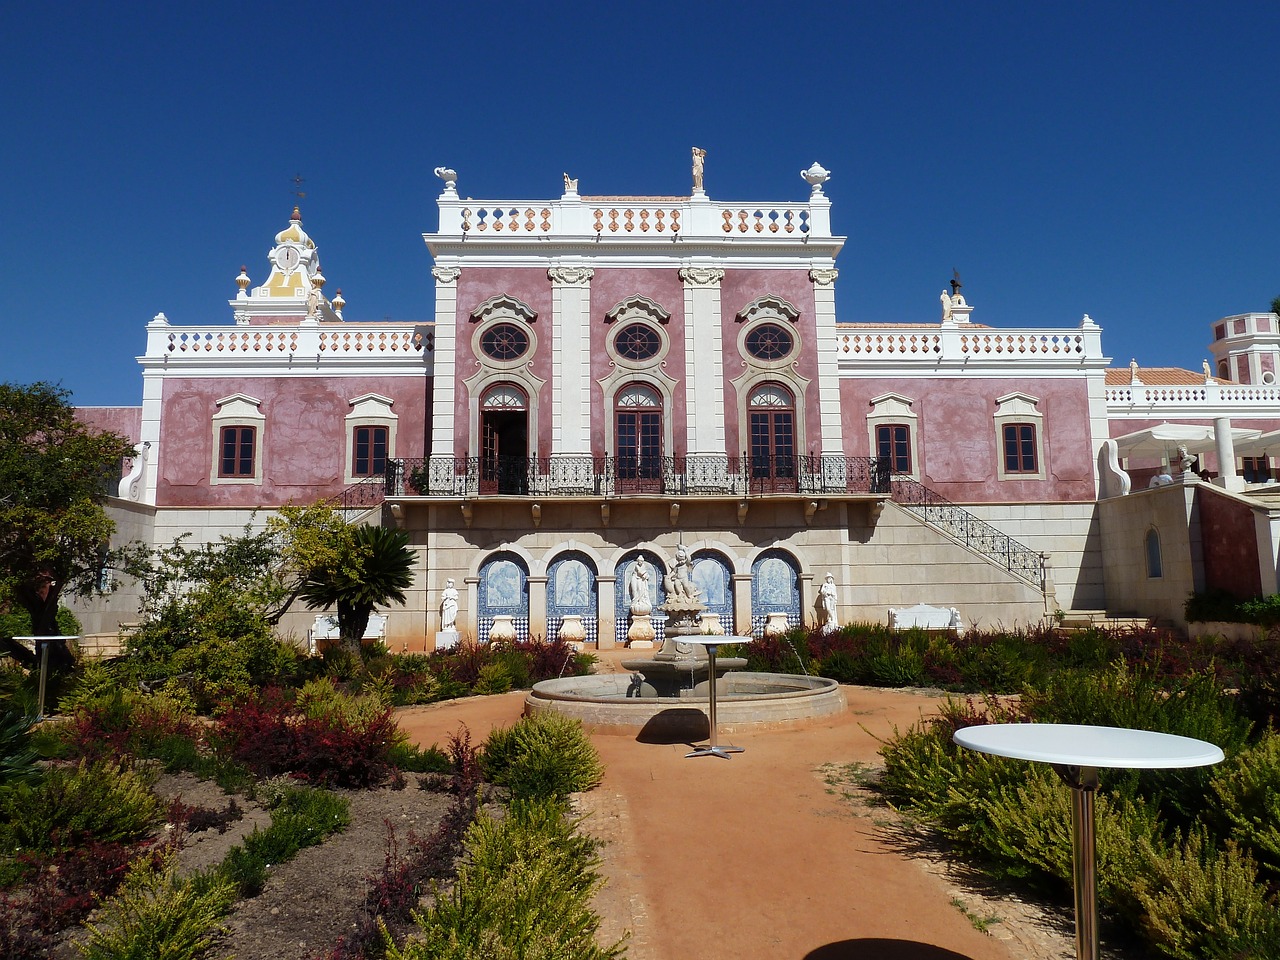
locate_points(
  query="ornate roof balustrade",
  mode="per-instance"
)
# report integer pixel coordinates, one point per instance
(1199, 400)
(632, 218)
(296, 340)
(860, 343)
(586, 476)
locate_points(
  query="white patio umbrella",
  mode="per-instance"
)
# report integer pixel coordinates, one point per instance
(1260, 445)
(1164, 439)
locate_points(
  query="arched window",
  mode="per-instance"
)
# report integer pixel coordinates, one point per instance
(1155, 567)
(637, 438)
(772, 413)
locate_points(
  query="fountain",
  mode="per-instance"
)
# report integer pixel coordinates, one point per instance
(662, 695)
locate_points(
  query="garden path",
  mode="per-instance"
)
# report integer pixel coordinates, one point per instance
(757, 856)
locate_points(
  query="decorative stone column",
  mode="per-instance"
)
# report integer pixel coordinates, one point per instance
(824, 318)
(703, 358)
(742, 604)
(538, 606)
(1228, 479)
(444, 380)
(571, 360)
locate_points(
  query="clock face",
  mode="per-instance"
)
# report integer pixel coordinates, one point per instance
(286, 258)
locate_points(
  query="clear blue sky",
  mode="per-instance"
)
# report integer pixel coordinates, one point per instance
(1112, 158)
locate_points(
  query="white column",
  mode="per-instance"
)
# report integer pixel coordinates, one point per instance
(444, 383)
(703, 360)
(824, 304)
(1228, 479)
(571, 360)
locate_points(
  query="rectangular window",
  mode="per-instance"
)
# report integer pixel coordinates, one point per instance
(1020, 448)
(893, 443)
(237, 445)
(370, 452)
(1256, 469)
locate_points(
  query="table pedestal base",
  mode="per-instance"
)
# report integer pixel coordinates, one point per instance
(1083, 782)
(712, 749)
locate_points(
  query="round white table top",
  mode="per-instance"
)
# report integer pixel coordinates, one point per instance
(1077, 745)
(712, 640)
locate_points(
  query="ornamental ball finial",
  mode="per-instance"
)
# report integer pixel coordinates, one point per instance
(816, 176)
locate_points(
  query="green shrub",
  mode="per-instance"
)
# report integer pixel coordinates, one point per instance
(18, 756)
(1247, 788)
(410, 758)
(523, 893)
(71, 805)
(494, 678)
(1199, 902)
(545, 755)
(160, 916)
(300, 817)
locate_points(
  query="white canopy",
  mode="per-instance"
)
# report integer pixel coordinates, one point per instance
(1259, 445)
(1164, 439)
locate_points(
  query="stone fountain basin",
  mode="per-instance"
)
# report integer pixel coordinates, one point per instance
(742, 700)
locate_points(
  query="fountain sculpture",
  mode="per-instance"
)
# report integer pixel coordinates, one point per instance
(657, 693)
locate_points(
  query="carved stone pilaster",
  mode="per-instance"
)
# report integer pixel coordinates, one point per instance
(823, 277)
(570, 276)
(446, 274)
(702, 276)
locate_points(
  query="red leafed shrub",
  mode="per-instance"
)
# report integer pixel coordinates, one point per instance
(271, 736)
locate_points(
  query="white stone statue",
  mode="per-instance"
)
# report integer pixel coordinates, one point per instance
(827, 617)
(449, 606)
(450, 177)
(1208, 374)
(638, 598)
(679, 582)
(570, 184)
(699, 160)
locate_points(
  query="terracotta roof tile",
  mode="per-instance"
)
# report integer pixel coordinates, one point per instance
(1158, 377)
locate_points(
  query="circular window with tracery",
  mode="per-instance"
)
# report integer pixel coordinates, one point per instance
(504, 341)
(769, 341)
(637, 342)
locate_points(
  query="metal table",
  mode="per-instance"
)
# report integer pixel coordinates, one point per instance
(713, 749)
(41, 646)
(1077, 752)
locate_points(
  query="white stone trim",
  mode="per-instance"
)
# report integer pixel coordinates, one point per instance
(369, 410)
(703, 360)
(893, 408)
(1013, 408)
(239, 409)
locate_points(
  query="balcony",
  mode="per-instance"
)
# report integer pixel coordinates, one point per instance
(612, 477)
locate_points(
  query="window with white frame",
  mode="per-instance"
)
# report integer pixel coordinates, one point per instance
(238, 432)
(893, 428)
(371, 437)
(1020, 446)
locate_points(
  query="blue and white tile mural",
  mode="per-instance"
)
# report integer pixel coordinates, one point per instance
(571, 589)
(714, 580)
(504, 590)
(775, 588)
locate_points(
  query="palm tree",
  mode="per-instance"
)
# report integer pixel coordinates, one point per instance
(381, 571)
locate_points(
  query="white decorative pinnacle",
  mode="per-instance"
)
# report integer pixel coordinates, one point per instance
(450, 178)
(816, 176)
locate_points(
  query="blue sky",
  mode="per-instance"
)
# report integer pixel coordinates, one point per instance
(1118, 159)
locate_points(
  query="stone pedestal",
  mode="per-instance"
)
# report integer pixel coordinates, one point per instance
(503, 629)
(640, 635)
(711, 626)
(446, 639)
(775, 625)
(571, 629)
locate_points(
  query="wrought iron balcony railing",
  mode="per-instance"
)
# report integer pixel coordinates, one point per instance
(701, 475)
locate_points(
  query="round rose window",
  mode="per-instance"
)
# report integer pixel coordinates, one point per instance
(504, 341)
(769, 342)
(637, 342)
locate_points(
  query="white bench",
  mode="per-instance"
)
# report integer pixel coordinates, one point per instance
(927, 618)
(325, 627)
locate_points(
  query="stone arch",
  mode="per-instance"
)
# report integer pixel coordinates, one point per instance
(775, 588)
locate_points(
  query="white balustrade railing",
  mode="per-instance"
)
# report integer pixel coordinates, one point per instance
(1188, 397)
(961, 342)
(633, 217)
(374, 341)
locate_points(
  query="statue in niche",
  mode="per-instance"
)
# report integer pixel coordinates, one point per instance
(638, 598)
(449, 606)
(827, 618)
(699, 160)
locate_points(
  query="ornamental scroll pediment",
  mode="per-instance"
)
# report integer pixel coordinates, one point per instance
(503, 305)
(570, 276)
(701, 276)
(768, 306)
(637, 308)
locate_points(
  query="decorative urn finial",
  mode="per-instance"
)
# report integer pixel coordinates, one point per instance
(243, 281)
(816, 176)
(450, 178)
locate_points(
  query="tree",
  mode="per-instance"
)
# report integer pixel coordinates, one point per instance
(378, 572)
(1275, 305)
(55, 475)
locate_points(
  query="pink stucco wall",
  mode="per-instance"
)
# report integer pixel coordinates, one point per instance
(530, 286)
(957, 441)
(1230, 544)
(126, 421)
(609, 287)
(738, 289)
(303, 444)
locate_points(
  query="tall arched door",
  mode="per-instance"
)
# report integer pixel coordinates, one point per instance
(637, 432)
(771, 413)
(504, 440)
